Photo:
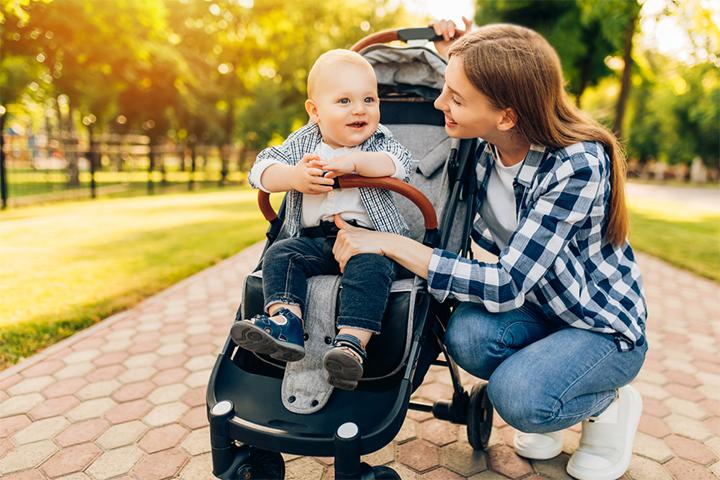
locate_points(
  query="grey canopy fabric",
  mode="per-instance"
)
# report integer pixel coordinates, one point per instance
(406, 65)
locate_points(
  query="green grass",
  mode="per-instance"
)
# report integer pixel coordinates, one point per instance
(687, 238)
(66, 266)
(24, 182)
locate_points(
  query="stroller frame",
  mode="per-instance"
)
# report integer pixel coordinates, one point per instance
(257, 457)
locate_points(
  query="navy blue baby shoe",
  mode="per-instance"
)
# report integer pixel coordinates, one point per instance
(262, 335)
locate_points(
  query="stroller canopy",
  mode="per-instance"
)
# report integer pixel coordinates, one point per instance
(416, 66)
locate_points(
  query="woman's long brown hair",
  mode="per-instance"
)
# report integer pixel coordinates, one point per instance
(515, 67)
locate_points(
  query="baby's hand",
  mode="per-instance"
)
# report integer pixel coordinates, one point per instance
(308, 176)
(340, 166)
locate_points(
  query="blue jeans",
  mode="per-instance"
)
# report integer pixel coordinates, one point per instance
(365, 284)
(543, 375)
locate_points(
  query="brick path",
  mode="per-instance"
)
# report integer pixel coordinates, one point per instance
(125, 398)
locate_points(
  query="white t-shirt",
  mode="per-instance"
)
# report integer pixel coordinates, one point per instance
(322, 206)
(498, 208)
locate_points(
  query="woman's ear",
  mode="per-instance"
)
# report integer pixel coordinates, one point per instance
(507, 120)
(311, 109)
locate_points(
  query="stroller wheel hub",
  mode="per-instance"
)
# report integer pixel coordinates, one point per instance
(347, 430)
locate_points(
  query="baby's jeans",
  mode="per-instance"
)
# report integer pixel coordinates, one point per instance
(365, 284)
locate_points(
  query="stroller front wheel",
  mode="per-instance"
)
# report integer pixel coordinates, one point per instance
(479, 417)
(261, 465)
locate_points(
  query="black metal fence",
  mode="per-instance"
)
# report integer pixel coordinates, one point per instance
(37, 169)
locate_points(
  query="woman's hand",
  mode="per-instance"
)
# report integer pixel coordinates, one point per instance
(449, 32)
(354, 240)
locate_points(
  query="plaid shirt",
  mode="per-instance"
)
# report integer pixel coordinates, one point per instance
(378, 202)
(556, 258)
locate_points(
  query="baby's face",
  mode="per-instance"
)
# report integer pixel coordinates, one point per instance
(346, 105)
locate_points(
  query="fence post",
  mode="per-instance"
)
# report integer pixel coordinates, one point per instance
(88, 121)
(3, 174)
(151, 167)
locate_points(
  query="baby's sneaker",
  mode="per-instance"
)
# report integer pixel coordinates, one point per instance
(344, 362)
(263, 334)
(606, 442)
(538, 446)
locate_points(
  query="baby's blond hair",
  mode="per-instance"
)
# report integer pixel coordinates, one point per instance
(328, 58)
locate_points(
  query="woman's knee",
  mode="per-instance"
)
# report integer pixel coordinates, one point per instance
(470, 339)
(524, 403)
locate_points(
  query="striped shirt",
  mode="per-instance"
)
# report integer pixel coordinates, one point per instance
(379, 203)
(557, 257)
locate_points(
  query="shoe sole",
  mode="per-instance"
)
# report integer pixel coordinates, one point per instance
(538, 454)
(624, 464)
(250, 337)
(343, 370)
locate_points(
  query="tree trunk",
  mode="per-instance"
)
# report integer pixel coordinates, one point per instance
(3, 176)
(70, 147)
(625, 81)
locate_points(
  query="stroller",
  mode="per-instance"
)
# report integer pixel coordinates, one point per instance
(249, 424)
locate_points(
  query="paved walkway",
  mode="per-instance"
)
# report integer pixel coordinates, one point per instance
(125, 398)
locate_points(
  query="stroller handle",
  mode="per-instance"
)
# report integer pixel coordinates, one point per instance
(404, 34)
(355, 181)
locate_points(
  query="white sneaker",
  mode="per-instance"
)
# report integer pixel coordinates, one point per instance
(606, 442)
(538, 446)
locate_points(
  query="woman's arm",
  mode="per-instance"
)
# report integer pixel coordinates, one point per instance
(407, 252)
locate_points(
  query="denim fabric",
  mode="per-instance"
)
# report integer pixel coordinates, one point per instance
(543, 375)
(365, 284)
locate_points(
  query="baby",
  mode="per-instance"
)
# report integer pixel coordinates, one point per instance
(343, 136)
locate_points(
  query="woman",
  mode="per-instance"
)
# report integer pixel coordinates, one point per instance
(557, 324)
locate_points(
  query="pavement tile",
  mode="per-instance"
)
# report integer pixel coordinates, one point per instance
(108, 372)
(122, 434)
(108, 359)
(439, 432)
(47, 367)
(304, 468)
(64, 387)
(85, 431)
(683, 470)
(462, 459)
(74, 370)
(553, 468)
(142, 360)
(691, 450)
(10, 425)
(682, 392)
(133, 391)
(503, 459)
(71, 459)
(167, 394)
(98, 389)
(171, 361)
(115, 462)
(687, 427)
(198, 468)
(381, 457)
(137, 374)
(27, 456)
(645, 469)
(162, 438)
(31, 385)
(653, 426)
(197, 441)
(40, 430)
(195, 418)
(53, 407)
(170, 376)
(195, 397)
(161, 465)
(127, 411)
(418, 455)
(20, 404)
(82, 356)
(90, 409)
(26, 475)
(164, 414)
(440, 473)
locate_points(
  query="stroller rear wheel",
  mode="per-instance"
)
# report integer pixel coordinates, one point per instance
(384, 473)
(261, 465)
(480, 417)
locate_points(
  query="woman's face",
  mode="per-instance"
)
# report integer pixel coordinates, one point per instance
(468, 113)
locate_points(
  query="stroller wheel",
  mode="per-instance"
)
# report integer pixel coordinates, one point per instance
(479, 419)
(384, 473)
(261, 465)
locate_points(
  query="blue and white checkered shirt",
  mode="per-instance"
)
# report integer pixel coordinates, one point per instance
(557, 257)
(378, 202)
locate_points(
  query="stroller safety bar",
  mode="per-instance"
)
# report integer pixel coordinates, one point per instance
(355, 181)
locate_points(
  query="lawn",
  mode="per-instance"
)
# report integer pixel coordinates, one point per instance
(686, 237)
(69, 265)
